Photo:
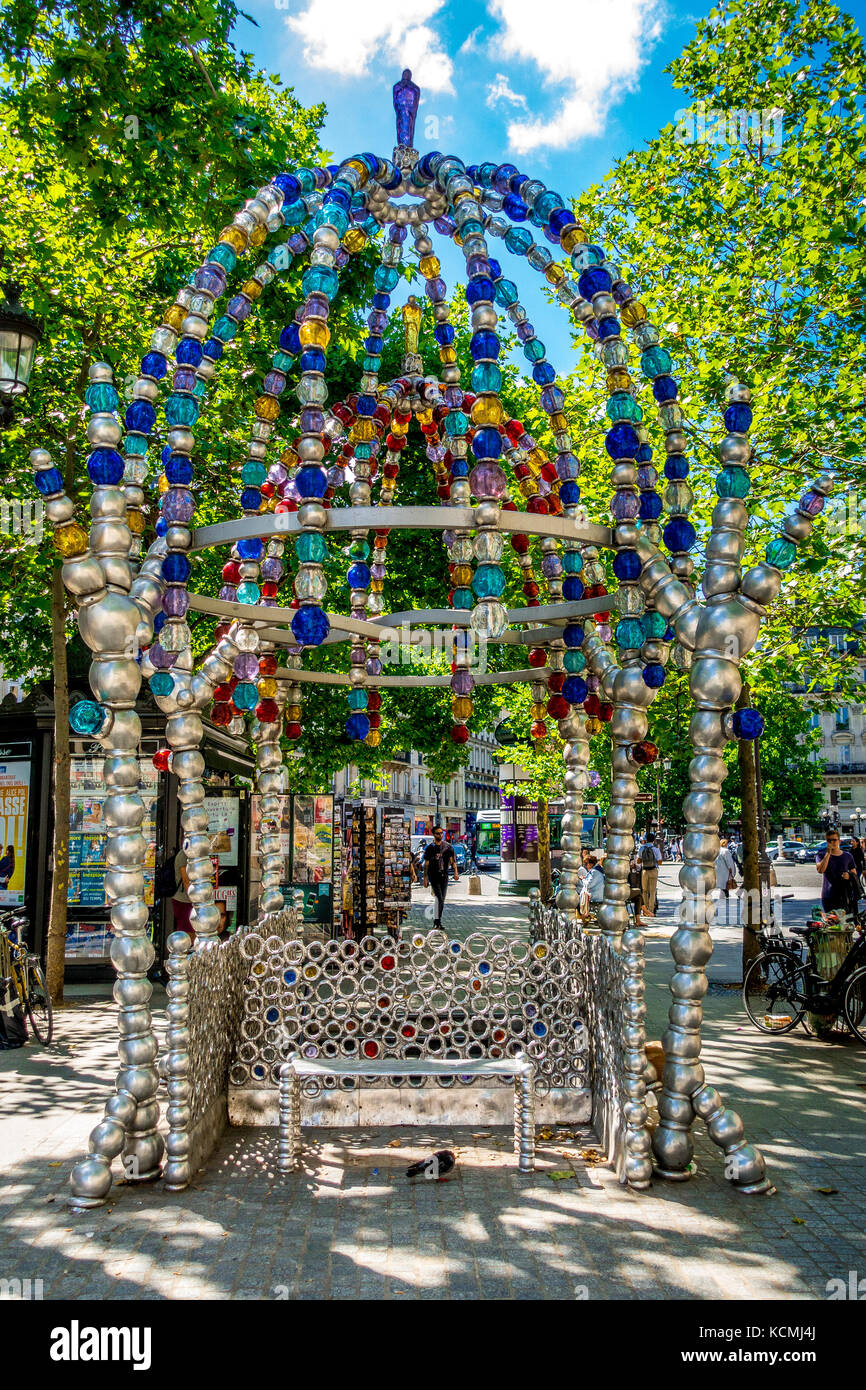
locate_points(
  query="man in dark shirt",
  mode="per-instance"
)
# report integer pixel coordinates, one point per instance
(838, 869)
(438, 858)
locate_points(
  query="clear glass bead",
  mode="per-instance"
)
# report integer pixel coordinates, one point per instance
(489, 545)
(311, 586)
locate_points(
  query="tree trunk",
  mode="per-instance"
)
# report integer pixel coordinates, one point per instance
(545, 882)
(751, 842)
(55, 960)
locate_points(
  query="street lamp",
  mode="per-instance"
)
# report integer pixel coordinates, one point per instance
(437, 792)
(19, 334)
(858, 813)
(661, 767)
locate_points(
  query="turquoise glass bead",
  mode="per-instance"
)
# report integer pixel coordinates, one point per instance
(462, 598)
(488, 581)
(283, 361)
(245, 695)
(385, 277)
(294, 214)
(732, 482)
(320, 279)
(781, 552)
(518, 240)
(306, 180)
(311, 548)
(87, 717)
(101, 396)
(654, 626)
(573, 660)
(572, 561)
(359, 550)
(332, 216)
(623, 406)
(363, 451)
(253, 474)
(371, 364)
(456, 422)
(357, 699)
(506, 292)
(162, 683)
(181, 410)
(225, 328)
(656, 361)
(534, 350)
(135, 444)
(629, 633)
(224, 255)
(248, 592)
(486, 376)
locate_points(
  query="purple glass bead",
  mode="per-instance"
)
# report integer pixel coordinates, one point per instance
(811, 503)
(177, 504)
(336, 477)
(183, 379)
(239, 307)
(543, 487)
(316, 307)
(211, 277)
(604, 632)
(289, 491)
(375, 446)
(162, 660)
(448, 537)
(647, 476)
(274, 384)
(268, 603)
(591, 329)
(341, 258)
(246, 666)
(592, 682)
(277, 474)
(488, 480)
(373, 666)
(228, 593)
(551, 566)
(446, 225)
(397, 234)
(272, 569)
(436, 452)
(622, 292)
(356, 656)
(526, 442)
(477, 265)
(453, 396)
(463, 682)
(377, 571)
(435, 290)
(525, 331)
(312, 421)
(175, 601)
(358, 613)
(625, 506)
(377, 319)
(298, 243)
(552, 399)
(567, 467)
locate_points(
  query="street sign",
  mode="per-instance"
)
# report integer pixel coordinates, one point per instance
(644, 796)
(505, 735)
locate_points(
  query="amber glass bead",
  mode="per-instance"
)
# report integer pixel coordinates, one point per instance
(267, 688)
(429, 267)
(355, 240)
(135, 521)
(461, 708)
(70, 539)
(447, 355)
(632, 314)
(488, 410)
(294, 712)
(235, 238)
(314, 333)
(267, 408)
(174, 317)
(618, 379)
(573, 236)
(373, 738)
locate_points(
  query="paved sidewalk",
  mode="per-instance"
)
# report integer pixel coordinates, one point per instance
(350, 1225)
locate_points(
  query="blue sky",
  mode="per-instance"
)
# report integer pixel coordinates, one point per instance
(560, 89)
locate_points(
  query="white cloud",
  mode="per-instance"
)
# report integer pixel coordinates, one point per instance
(344, 36)
(470, 43)
(501, 90)
(594, 51)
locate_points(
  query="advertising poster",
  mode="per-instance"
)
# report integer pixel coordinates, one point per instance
(87, 940)
(223, 814)
(507, 845)
(313, 840)
(14, 806)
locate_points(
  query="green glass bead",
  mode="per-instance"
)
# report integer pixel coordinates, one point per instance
(488, 581)
(732, 482)
(678, 499)
(181, 410)
(781, 552)
(359, 550)
(248, 592)
(656, 361)
(101, 396)
(573, 661)
(253, 474)
(623, 406)
(463, 599)
(224, 255)
(654, 626)
(311, 548)
(486, 376)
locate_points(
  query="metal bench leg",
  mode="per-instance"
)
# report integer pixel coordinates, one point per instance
(525, 1135)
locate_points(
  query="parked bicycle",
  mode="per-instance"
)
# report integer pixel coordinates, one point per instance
(783, 984)
(25, 972)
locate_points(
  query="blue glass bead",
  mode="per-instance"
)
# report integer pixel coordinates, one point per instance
(385, 277)
(245, 695)
(140, 416)
(574, 690)
(161, 526)
(480, 289)
(189, 353)
(248, 592)
(515, 208)
(213, 349)
(178, 469)
(656, 361)
(572, 588)
(312, 360)
(573, 635)
(629, 633)
(488, 581)
(738, 417)
(559, 220)
(251, 499)
(679, 534)
(486, 377)
(381, 301)
(373, 345)
(503, 176)
(87, 717)
(252, 549)
(665, 389)
(505, 294)
(650, 506)
(569, 494)
(594, 281)
(747, 723)
(366, 405)
(444, 334)
(627, 565)
(320, 279)
(290, 340)
(176, 568)
(518, 240)
(676, 467)
(495, 268)
(287, 184)
(154, 364)
(487, 443)
(644, 454)
(543, 373)
(159, 623)
(357, 725)
(311, 481)
(608, 327)
(484, 346)
(339, 196)
(462, 598)
(105, 466)
(654, 675)
(358, 576)
(552, 399)
(460, 469)
(48, 481)
(161, 682)
(621, 442)
(310, 625)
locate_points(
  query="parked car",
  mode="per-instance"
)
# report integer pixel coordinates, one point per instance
(463, 857)
(792, 850)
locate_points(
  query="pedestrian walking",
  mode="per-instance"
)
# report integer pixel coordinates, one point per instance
(857, 850)
(592, 888)
(726, 872)
(650, 858)
(181, 905)
(837, 868)
(438, 859)
(635, 892)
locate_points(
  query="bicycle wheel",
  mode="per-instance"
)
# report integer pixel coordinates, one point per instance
(38, 1002)
(767, 989)
(854, 1004)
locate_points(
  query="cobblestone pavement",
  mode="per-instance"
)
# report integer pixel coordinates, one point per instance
(350, 1225)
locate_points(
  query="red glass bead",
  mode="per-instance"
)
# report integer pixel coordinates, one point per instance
(538, 729)
(375, 720)
(459, 733)
(293, 730)
(537, 656)
(374, 701)
(530, 588)
(555, 681)
(605, 713)
(537, 505)
(161, 759)
(268, 665)
(644, 752)
(558, 707)
(520, 543)
(267, 711)
(232, 572)
(592, 704)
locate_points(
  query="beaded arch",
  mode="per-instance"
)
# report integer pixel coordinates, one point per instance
(493, 481)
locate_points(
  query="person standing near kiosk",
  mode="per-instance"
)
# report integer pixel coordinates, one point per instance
(438, 858)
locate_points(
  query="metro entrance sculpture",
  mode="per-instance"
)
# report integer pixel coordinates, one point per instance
(495, 482)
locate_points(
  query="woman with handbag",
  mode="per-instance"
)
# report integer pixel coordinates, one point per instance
(726, 872)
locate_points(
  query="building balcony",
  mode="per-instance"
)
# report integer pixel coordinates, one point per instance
(844, 769)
